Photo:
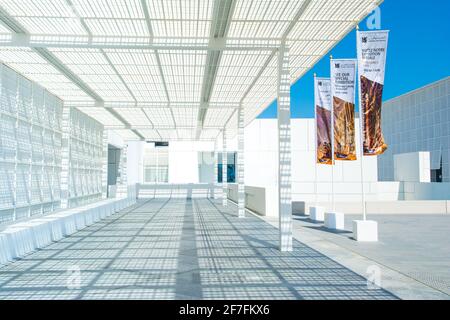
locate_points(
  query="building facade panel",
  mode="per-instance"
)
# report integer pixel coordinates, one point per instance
(418, 121)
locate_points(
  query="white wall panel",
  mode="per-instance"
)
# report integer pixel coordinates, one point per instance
(30, 150)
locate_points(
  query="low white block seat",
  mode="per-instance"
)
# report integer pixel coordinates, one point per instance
(68, 220)
(103, 212)
(95, 212)
(24, 237)
(40, 231)
(57, 229)
(88, 216)
(317, 214)
(20, 240)
(80, 220)
(365, 231)
(5, 252)
(335, 221)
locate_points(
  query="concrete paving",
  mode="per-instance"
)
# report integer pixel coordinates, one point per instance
(180, 249)
(414, 246)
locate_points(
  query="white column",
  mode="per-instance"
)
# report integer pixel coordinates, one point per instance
(16, 156)
(216, 170)
(284, 149)
(240, 164)
(224, 170)
(65, 157)
(105, 164)
(123, 165)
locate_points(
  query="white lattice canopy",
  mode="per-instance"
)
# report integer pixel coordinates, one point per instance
(169, 69)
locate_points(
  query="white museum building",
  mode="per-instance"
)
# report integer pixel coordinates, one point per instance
(86, 114)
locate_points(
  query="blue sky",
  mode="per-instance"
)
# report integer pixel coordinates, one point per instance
(418, 53)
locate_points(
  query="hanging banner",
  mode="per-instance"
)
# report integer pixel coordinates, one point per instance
(343, 79)
(372, 49)
(322, 97)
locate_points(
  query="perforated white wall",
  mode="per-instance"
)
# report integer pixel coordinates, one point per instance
(31, 137)
(30, 148)
(85, 159)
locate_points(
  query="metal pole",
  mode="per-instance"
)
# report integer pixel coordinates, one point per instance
(361, 140)
(315, 147)
(332, 151)
(363, 195)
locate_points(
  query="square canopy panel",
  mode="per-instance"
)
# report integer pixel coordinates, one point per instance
(170, 69)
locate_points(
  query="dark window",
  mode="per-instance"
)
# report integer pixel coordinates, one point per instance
(436, 175)
(231, 168)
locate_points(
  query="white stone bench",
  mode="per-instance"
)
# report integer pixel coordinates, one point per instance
(24, 237)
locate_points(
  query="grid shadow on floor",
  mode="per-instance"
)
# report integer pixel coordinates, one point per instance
(180, 249)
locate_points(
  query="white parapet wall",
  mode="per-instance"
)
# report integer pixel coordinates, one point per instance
(426, 191)
(383, 198)
(179, 191)
(412, 167)
(263, 201)
(403, 207)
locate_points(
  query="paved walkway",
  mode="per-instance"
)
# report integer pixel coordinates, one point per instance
(416, 246)
(179, 249)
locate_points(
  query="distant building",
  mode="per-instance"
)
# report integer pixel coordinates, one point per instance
(418, 121)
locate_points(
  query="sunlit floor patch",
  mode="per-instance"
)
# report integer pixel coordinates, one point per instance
(179, 249)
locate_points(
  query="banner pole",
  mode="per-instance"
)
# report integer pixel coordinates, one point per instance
(361, 136)
(315, 143)
(332, 151)
(363, 195)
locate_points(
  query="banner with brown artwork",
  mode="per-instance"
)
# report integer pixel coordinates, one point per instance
(343, 79)
(372, 49)
(322, 97)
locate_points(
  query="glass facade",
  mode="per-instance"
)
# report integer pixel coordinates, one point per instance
(418, 121)
(231, 167)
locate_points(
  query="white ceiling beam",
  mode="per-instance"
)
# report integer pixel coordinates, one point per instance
(160, 127)
(294, 21)
(158, 60)
(220, 24)
(137, 43)
(158, 105)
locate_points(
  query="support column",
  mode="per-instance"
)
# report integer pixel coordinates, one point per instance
(240, 163)
(216, 170)
(65, 157)
(284, 150)
(123, 165)
(224, 170)
(105, 164)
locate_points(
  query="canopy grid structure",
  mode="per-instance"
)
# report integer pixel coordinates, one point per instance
(170, 69)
